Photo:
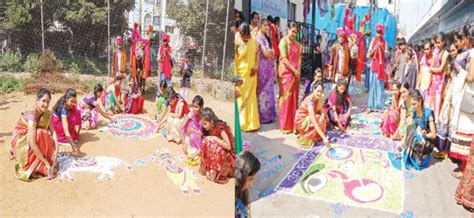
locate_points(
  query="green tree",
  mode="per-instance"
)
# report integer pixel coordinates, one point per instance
(79, 26)
(190, 17)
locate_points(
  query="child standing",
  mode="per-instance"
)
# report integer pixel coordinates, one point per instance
(186, 71)
(162, 104)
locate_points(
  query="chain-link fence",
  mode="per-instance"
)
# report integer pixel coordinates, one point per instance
(81, 34)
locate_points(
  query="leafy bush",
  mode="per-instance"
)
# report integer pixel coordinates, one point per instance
(84, 65)
(11, 62)
(89, 84)
(31, 64)
(48, 62)
(74, 70)
(10, 84)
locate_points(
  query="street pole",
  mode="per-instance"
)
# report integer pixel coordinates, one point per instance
(42, 27)
(140, 16)
(246, 5)
(108, 39)
(204, 43)
(370, 21)
(225, 40)
(163, 14)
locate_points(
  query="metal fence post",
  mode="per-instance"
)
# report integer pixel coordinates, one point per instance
(42, 27)
(204, 43)
(108, 39)
(225, 39)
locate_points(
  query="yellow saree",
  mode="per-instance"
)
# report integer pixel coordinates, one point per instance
(245, 60)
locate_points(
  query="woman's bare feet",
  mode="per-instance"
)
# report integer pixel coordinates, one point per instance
(51, 173)
(457, 175)
(77, 153)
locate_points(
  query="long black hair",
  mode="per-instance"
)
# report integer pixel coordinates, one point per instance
(198, 100)
(246, 164)
(70, 93)
(208, 114)
(294, 25)
(316, 85)
(244, 29)
(266, 36)
(98, 88)
(43, 91)
(441, 37)
(172, 94)
(341, 98)
(417, 96)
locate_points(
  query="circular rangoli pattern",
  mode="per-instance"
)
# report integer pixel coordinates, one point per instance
(133, 126)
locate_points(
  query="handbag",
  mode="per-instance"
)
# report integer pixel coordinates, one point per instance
(467, 102)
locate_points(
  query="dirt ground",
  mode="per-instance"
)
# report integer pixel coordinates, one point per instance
(141, 191)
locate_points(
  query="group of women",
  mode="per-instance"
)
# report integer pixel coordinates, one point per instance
(255, 61)
(432, 98)
(435, 109)
(205, 138)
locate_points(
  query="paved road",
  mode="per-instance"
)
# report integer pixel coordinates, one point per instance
(429, 193)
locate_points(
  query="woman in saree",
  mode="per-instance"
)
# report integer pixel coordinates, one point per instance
(405, 114)
(289, 79)
(377, 85)
(391, 117)
(217, 152)
(310, 120)
(442, 125)
(162, 105)
(424, 80)
(411, 68)
(465, 190)
(435, 93)
(67, 121)
(461, 124)
(265, 90)
(246, 63)
(90, 109)
(133, 98)
(178, 112)
(192, 131)
(420, 135)
(34, 144)
(111, 100)
(339, 106)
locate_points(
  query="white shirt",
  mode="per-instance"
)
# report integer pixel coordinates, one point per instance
(119, 60)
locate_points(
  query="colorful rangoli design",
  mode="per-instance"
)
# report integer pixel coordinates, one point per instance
(133, 126)
(352, 172)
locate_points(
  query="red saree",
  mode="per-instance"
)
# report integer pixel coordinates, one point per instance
(465, 190)
(26, 162)
(216, 162)
(307, 134)
(289, 85)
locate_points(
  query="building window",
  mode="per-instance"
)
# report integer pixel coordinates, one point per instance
(147, 20)
(291, 11)
(156, 20)
(169, 29)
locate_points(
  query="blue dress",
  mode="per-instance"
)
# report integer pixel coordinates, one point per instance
(417, 148)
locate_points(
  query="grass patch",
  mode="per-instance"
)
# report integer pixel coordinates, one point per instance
(9, 84)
